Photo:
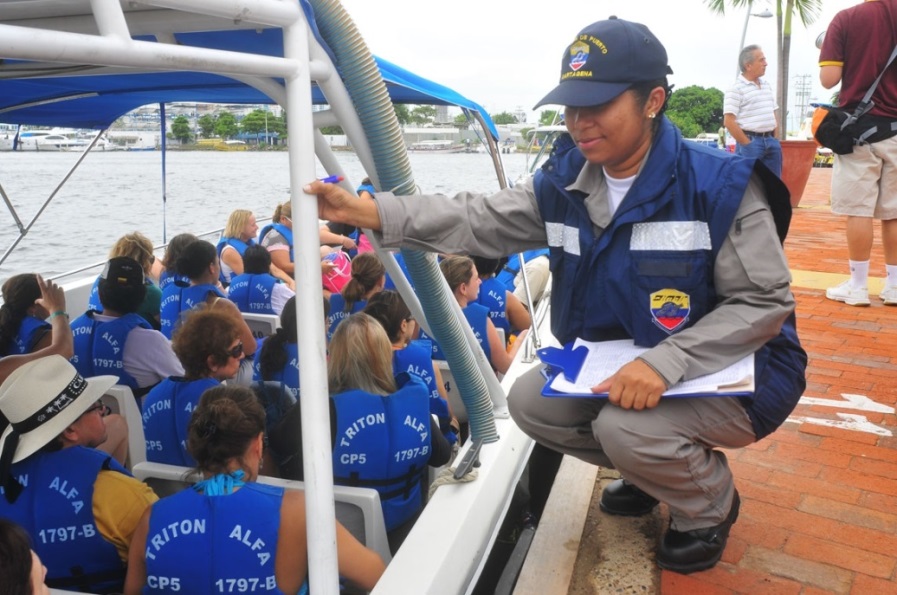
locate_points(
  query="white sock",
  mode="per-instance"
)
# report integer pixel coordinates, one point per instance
(891, 270)
(859, 273)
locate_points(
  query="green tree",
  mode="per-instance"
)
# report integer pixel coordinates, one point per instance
(504, 118)
(226, 125)
(402, 113)
(807, 10)
(180, 129)
(206, 126)
(255, 122)
(686, 124)
(548, 117)
(461, 122)
(423, 114)
(332, 130)
(696, 105)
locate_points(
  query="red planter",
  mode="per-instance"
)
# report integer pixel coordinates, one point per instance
(797, 163)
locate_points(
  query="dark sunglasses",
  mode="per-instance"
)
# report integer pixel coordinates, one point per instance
(103, 409)
(236, 351)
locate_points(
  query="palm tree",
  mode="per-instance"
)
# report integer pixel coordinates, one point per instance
(807, 10)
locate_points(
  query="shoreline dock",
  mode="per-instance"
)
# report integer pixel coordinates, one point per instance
(819, 495)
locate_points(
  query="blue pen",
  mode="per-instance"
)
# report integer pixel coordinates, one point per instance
(332, 179)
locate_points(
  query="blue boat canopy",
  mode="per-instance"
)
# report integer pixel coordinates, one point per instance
(84, 100)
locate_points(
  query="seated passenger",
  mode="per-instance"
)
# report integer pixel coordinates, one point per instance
(257, 290)
(59, 483)
(21, 569)
(368, 277)
(537, 274)
(226, 437)
(238, 234)
(140, 248)
(385, 436)
(277, 360)
(119, 341)
(208, 347)
(506, 311)
(173, 251)
(199, 263)
(23, 320)
(464, 282)
(413, 356)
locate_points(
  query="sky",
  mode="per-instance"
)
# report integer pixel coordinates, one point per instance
(506, 54)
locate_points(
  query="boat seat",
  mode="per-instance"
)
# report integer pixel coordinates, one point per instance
(262, 325)
(121, 400)
(358, 509)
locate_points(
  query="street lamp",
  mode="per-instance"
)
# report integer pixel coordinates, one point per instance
(763, 15)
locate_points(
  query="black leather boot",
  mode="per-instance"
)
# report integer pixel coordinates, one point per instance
(621, 498)
(699, 549)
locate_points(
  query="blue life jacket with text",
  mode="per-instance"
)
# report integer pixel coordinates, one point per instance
(384, 443)
(56, 509)
(100, 346)
(31, 331)
(252, 293)
(338, 312)
(650, 273)
(288, 375)
(204, 545)
(283, 230)
(476, 316)
(416, 359)
(236, 243)
(170, 309)
(493, 295)
(167, 278)
(166, 414)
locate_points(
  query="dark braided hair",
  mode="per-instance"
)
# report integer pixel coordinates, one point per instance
(273, 357)
(224, 423)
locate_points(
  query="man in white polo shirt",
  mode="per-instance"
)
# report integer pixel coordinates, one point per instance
(749, 112)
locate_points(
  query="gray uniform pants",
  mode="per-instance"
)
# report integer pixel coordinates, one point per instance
(669, 451)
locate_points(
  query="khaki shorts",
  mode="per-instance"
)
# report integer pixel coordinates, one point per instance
(864, 183)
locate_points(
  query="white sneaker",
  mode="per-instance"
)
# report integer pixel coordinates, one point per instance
(850, 296)
(889, 295)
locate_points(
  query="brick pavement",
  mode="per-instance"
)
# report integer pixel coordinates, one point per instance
(819, 496)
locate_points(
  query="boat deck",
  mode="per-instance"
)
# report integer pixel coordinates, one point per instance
(819, 496)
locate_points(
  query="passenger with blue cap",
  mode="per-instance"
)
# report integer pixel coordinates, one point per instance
(675, 246)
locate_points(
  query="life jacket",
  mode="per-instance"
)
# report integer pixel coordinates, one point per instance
(236, 533)
(236, 243)
(100, 346)
(252, 293)
(400, 259)
(415, 359)
(31, 331)
(650, 273)
(509, 271)
(338, 312)
(493, 295)
(167, 278)
(288, 375)
(384, 443)
(170, 308)
(56, 509)
(476, 316)
(283, 230)
(166, 414)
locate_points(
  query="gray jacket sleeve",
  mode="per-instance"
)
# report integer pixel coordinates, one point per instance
(467, 223)
(753, 298)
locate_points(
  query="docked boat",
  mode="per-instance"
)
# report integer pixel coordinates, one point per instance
(437, 146)
(119, 56)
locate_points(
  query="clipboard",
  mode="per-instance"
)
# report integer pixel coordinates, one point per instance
(567, 364)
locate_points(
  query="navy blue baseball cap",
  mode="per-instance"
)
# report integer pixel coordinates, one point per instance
(605, 59)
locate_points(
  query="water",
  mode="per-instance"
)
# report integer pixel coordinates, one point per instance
(119, 192)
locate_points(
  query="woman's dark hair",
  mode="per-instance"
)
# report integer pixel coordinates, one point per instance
(19, 294)
(256, 260)
(15, 559)
(273, 357)
(203, 333)
(224, 423)
(196, 258)
(643, 91)
(367, 271)
(174, 249)
(389, 309)
(486, 267)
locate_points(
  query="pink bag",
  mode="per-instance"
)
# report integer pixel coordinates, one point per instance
(364, 244)
(336, 279)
